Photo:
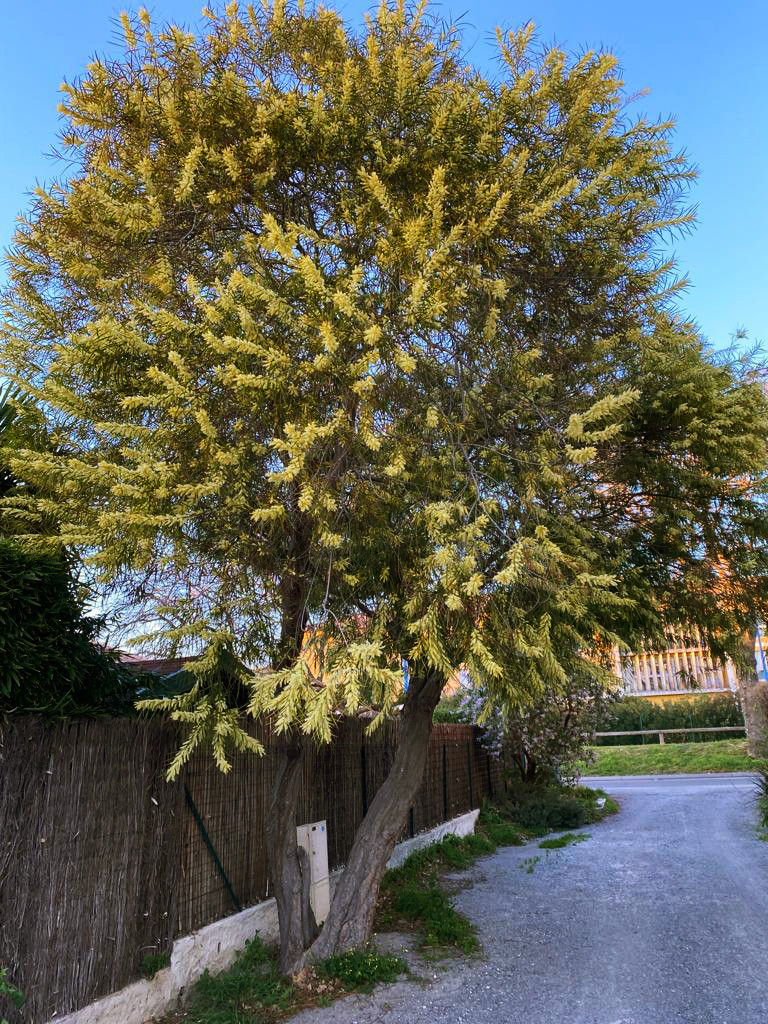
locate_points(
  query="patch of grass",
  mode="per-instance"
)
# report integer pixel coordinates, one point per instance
(499, 829)
(431, 907)
(412, 892)
(154, 962)
(361, 969)
(567, 840)
(669, 758)
(505, 834)
(239, 995)
(610, 806)
(529, 864)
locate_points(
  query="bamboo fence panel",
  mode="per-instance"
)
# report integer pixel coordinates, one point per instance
(102, 862)
(89, 837)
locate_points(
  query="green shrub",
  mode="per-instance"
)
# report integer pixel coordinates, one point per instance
(633, 713)
(478, 845)
(498, 828)
(549, 808)
(504, 834)
(450, 710)
(49, 661)
(361, 969)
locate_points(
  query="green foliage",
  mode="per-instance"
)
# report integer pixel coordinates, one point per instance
(154, 962)
(450, 710)
(433, 910)
(504, 833)
(529, 864)
(672, 758)
(497, 826)
(412, 891)
(596, 802)
(210, 708)
(684, 713)
(761, 787)
(49, 661)
(9, 992)
(566, 840)
(550, 808)
(314, 370)
(361, 969)
(542, 737)
(237, 995)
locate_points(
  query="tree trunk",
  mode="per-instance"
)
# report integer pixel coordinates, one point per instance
(754, 701)
(288, 865)
(350, 918)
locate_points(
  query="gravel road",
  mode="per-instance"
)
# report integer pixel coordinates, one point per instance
(661, 917)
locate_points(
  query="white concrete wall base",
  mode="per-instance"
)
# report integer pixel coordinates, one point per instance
(464, 825)
(215, 947)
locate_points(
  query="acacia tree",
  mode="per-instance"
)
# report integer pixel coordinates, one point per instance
(367, 346)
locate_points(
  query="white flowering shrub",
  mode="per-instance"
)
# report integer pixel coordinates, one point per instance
(544, 738)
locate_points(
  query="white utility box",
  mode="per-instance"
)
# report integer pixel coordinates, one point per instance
(314, 839)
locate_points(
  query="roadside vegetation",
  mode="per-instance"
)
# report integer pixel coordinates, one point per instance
(762, 797)
(703, 712)
(671, 758)
(569, 839)
(412, 898)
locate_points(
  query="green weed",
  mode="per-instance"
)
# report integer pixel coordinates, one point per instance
(154, 962)
(505, 834)
(529, 864)
(432, 908)
(610, 806)
(236, 996)
(10, 992)
(567, 840)
(361, 969)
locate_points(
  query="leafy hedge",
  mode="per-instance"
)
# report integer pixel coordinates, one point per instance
(49, 662)
(681, 713)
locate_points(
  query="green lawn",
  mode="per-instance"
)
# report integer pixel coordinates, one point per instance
(655, 759)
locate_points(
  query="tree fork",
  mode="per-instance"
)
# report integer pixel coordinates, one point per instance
(350, 918)
(288, 869)
(288, 865)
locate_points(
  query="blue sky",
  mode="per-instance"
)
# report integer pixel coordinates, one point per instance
(704, 63)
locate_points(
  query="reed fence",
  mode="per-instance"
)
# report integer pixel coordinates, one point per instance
(102, 862)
